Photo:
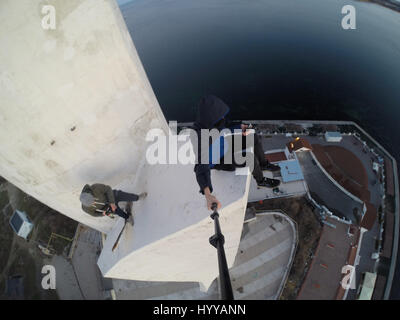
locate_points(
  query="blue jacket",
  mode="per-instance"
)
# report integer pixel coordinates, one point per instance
(210, 111)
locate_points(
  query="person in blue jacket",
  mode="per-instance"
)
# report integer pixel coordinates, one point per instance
(211, 114)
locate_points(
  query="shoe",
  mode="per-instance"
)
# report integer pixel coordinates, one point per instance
(128, 210)
(130, 219)
(269, 183)
(142, 196)
(270, 167)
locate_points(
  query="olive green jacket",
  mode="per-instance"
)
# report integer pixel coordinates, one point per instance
(103, 195)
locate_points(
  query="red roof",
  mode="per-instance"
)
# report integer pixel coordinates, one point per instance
(276, 156)
(369, 217)
(298, 143)
(389, 177)
(345, 168)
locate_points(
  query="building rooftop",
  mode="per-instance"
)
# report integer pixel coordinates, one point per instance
(276, 156)
(285, 189)
(323, 278)
(389, 176)
(333, 134)
(297, 144)
(345, 168)
(16, 222)
(15, 287)
(369, 217)
(291, 171)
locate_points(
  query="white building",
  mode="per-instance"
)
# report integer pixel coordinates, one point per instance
(333, 136)
(21, 224)
(76, 106)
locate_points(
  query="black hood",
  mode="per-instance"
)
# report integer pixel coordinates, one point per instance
(210, 110)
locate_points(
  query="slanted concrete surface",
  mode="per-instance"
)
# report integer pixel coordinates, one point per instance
(259, 270)
(91, 126)
(169, 239)
(84, 262)
(76, 104)
(67, 285)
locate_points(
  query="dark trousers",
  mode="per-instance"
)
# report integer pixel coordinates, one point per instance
(259, 159)
(123, 196)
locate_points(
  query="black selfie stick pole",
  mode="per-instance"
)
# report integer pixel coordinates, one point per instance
(217, 241)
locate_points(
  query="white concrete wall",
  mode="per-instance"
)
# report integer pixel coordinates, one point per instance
(75, 108)
(170, 237)
(85, 75)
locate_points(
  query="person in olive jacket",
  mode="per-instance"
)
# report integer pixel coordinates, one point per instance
(100, 200)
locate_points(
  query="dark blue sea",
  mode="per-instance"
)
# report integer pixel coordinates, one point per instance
(274, 59)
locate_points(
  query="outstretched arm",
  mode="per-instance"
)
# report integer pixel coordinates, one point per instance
(211, 199)
(203, 176)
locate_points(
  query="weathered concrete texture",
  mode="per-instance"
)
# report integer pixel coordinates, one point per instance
(67, 285)
(84, 261)
(75, 102)
(169, 239)
(76, 109)
(265, 252)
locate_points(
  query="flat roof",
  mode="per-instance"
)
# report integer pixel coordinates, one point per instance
(334, 134)
(369, 217)
(389, 176)
(291, 171)
(334, 251)
(16, 221)
(275, 156)
(368, 286)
